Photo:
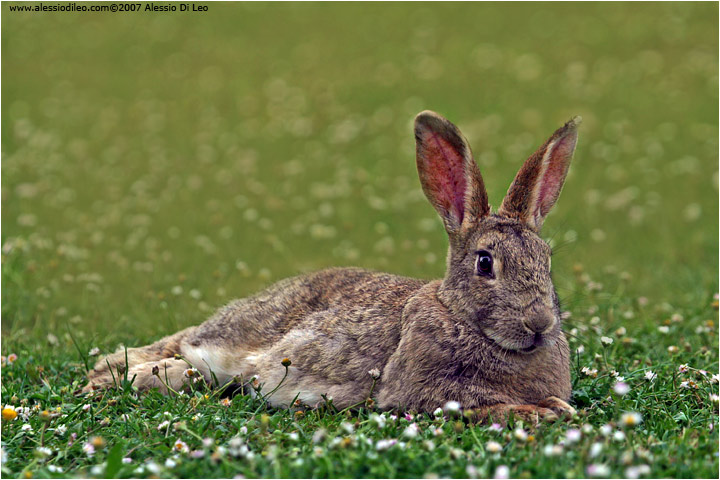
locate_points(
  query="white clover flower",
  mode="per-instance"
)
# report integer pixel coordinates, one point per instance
(472, 471)
(590, 372)
(347, 427)
(573, 435)
(43, 452)
(88, 449)
(237, 448)
(606, 340)
(61, 429)
(374, 373)
(619, 436)
(587, 429)
(438, 412)
(606, 430)
(630, 419)
(95, 351)
(163, 425)
(384, 444)
(493, 447)
(127, 460)
(86, 407)
(496, 427)
(170, 463)
(319, 436)
(26, 428)
(663, 329)
(598, 470)
(520, 434)
(502, 472)
(715, 378)
(54, 469)
(429, 445)
(152, 467)
(293, 436)
(714, 398)
(553, 450)
(411, 431)
(621, 388)
(650, 375)
(378, 420)
(456, 453)
(452, 407)
(596, 449)
(637, 471)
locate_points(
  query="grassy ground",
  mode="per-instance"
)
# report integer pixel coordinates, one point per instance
(155, 166)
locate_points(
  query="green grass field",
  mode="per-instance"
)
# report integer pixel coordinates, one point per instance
(158, 165)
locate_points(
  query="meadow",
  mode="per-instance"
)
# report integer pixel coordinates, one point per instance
(157, 165)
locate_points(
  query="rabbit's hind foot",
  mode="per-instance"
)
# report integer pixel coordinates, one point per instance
(548, 410)
(160, 374)
(558, 406)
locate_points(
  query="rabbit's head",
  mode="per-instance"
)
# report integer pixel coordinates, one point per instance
(498, 272)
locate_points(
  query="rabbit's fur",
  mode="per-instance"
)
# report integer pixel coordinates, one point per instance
(491, 341)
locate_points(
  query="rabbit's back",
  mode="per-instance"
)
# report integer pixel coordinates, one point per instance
(267, 316)
(334, 325)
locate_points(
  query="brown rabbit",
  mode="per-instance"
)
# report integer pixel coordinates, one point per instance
(488, 335)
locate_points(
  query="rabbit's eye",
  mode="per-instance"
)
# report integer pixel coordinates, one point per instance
(484, 263)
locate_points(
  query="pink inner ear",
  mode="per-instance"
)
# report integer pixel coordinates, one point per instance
(554, 176)
(445, 174)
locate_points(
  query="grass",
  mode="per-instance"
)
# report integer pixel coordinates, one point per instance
(156, 166)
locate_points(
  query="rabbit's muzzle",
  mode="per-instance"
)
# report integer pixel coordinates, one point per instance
(541, 322)
(537, 331)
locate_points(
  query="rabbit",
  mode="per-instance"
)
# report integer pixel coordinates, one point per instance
(488, 335)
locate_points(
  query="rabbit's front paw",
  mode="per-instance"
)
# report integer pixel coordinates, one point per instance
(532, 414)
(558, 406)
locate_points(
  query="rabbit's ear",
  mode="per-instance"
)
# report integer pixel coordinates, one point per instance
(449, 176)
(538, 183)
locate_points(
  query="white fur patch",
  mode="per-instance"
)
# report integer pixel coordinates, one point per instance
(223, 364)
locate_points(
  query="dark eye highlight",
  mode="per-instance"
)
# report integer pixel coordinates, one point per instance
(484, 263)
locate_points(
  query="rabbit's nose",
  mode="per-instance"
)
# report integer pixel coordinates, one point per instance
(539, 322)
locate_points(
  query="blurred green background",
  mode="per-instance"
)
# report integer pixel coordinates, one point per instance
(157, 165)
